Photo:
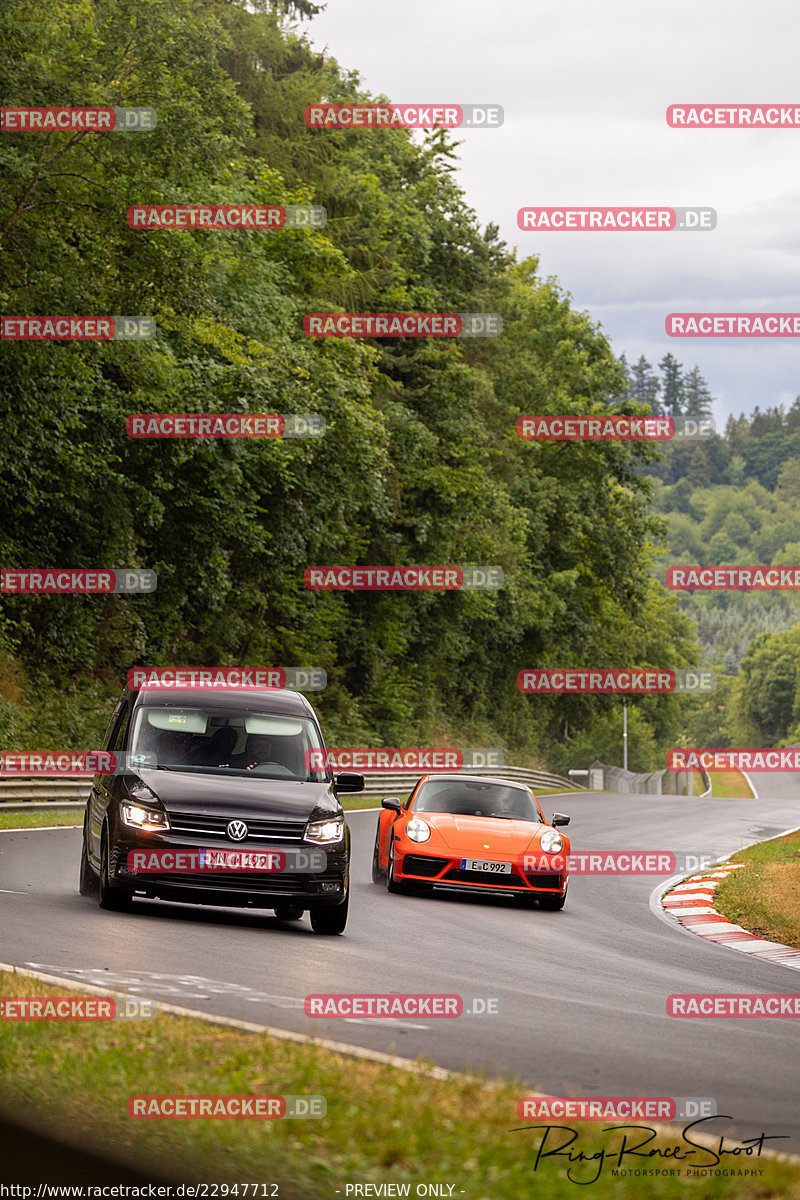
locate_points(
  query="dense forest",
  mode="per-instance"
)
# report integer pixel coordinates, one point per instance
(419, 463)
(732, 498)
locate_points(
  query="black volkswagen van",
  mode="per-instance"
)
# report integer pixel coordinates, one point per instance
(216, 796)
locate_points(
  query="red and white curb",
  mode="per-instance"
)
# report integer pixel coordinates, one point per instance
(691, 902)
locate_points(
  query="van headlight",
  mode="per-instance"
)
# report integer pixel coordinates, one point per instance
(325, 832)
(150, 820)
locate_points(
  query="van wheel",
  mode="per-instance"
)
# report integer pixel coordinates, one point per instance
(330, 920)
(87, 880)
(115, 899)
(288, 912)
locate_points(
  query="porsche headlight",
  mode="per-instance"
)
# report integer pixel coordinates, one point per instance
(325, 832)
(417, 830)
(551, 842)
(150, 820)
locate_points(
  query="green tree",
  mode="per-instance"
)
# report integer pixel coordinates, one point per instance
(672, 384)
(697, 398)
(764, 699)
(645, 387)
(419, 462)
(699, 473)
(788, 483)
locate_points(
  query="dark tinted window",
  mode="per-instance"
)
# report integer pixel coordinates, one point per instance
(469, 798)
(211, 739)
(120, 729)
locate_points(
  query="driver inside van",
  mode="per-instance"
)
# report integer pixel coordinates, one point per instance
(257, 750)
(216, 750)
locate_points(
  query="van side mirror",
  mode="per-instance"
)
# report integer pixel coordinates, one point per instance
(349, 781)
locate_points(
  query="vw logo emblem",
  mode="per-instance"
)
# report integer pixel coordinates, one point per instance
(237, 831)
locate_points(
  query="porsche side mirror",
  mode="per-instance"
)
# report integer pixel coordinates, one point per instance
(393, 803)
(559, 819)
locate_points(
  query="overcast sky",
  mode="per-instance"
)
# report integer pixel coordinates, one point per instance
(585, 87)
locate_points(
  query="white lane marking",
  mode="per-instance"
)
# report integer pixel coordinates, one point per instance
(11, 892)
(36, 828)
(393, 1021)
(158, 982)
(284, 1035)
(378, 1056)
(751, 785)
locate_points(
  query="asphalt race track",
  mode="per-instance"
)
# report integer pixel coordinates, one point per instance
(581, 993)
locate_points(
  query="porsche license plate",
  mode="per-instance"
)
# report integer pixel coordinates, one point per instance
(491, 868)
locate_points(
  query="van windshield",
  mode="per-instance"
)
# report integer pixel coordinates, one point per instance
(210, 739)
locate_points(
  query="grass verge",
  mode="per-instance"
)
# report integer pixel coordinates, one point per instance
(382, 1124)
(37, 820)
(728, 784)
(764, 896)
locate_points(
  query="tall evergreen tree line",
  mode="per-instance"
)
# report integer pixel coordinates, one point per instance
(675, 392)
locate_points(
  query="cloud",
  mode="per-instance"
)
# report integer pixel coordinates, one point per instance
(585, 89)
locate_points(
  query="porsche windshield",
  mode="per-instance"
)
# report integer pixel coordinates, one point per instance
(469, 798)
(216, 740)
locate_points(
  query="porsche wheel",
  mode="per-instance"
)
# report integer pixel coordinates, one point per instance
(378, 875)
(392, 885)
(552, 903)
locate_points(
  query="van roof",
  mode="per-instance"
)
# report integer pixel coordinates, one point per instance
(274, 700)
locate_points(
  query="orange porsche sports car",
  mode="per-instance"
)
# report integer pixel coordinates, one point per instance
(472, 832)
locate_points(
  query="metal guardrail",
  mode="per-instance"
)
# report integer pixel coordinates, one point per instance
(656, 783)
(385, 783)
(50, 806)
(76, 789)
(377, 783)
